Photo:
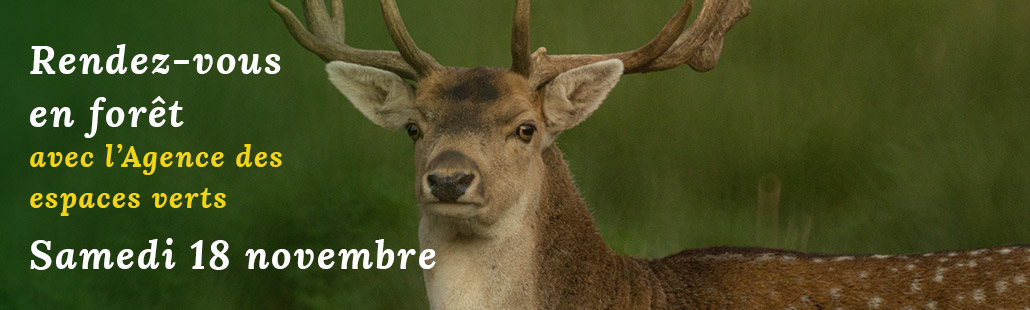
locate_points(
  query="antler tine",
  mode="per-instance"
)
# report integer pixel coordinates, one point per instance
(547, 67)
(701, 45)
(293, 25)
(318, 19)
(326, 38)
(521, 61)
(338, 19)
(660, 43)
(424, 63)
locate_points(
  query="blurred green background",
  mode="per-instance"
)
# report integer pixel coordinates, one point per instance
(894, 127)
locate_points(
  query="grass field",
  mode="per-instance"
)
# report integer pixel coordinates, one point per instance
(894, 127)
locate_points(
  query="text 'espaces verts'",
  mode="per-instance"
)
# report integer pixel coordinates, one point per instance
(85, 201)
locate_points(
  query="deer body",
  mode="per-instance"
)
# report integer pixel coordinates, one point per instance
(499, 206)
(752, 278)
(571, 265)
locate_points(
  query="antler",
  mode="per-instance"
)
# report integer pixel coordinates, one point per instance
(699, 46)
(521, 61)
(326, 35)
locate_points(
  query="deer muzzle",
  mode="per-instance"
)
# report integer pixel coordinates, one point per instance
(449, 176)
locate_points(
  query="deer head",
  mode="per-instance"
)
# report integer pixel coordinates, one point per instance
(479, 133)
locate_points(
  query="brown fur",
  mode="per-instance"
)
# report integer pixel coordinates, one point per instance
(577, 270)
(521, 237)
(527, 227)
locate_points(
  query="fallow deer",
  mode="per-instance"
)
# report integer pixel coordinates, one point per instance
(499, 206)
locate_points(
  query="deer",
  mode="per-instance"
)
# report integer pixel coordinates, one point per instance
(498, 204)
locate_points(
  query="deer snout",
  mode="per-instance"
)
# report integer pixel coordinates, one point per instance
(449, 188)
(450, 175)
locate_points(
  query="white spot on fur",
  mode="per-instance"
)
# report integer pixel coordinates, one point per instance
(977, 252)
(1019, 279)
(910, 267)
(931, 305)
(928, 254)
(893, 269)
(843, 258)
(764, 257)
(874, 303)
(942, 260)
(959, 297)
(1005, 251)
(971, 264)
(979, 296)
(881, 256)
(915, 286)
(952, 254)
(1001, 286)
(788, 258)
(835, 292)
(818, 260)
(863, 274)
(939, 275)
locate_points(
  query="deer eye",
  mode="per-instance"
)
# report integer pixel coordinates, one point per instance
(525, 132)
(413, 131)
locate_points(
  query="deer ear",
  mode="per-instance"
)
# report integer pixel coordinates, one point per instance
(383, 97)
(572, 96)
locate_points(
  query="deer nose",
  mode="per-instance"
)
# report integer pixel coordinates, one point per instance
(449, 188)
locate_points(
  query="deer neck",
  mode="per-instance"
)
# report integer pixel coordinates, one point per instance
(545, 253)
(481, 267)
(477, 272)
(574, 264)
